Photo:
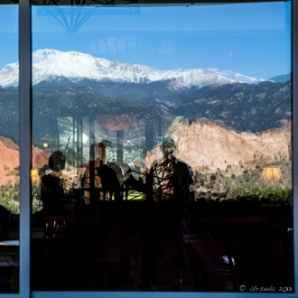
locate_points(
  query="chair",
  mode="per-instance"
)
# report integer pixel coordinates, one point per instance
(114, 270)
(9, 267)
(55, 258)
(210, 269)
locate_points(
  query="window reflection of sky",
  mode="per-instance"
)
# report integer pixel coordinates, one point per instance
(8, 34)
(231, 37)
(245, 38)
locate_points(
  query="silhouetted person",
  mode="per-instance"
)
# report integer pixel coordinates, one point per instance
(101, 178)
(5, 217)
(168, 194)
(109, 174)
(52, 189)
(135, 177)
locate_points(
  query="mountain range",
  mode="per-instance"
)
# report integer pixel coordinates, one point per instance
(50, 65)
(77, 84)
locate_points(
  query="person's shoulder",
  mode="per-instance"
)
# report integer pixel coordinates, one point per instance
(49, 178)
(181, 163)
(46, 178)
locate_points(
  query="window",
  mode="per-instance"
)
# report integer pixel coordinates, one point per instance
(153, 166)
(10, 161)
(126, 106)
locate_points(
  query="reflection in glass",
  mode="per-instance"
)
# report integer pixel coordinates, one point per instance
(162, 150)
(9, 144)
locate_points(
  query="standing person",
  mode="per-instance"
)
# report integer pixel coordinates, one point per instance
(168, 194)
(101, 179)
(91, 179)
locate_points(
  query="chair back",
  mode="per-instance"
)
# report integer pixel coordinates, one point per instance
(209, 269)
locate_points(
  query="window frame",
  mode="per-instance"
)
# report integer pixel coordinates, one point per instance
(25, 143)
(25, 161)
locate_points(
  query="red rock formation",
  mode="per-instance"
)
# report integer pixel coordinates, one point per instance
(10, 161)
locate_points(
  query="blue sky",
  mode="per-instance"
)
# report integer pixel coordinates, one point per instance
(252, 39)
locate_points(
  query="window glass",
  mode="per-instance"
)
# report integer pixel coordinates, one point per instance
(9, 143)
(162, 153)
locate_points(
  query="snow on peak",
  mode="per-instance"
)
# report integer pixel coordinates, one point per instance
(50, 64)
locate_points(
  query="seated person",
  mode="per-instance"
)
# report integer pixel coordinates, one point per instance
(5, 219)
(136, 177)
(52, 185)
(137, 168)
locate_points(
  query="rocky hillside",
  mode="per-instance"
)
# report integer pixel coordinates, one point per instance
(204, 143)
(210, 148)
(230, 157)
(10, 161)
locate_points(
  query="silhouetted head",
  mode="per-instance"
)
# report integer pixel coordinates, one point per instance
(98, 152)
(168, 147)
(57, 161)
(139, 162)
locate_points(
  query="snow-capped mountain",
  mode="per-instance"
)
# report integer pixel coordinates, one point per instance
(72, 83)
(50, 65)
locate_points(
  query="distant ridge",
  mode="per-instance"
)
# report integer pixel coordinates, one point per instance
(281, 79)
